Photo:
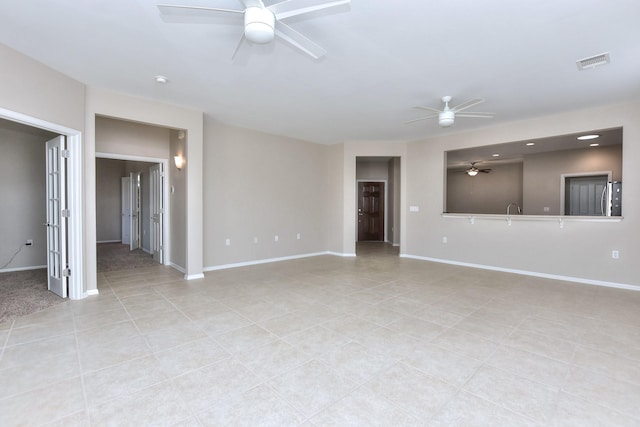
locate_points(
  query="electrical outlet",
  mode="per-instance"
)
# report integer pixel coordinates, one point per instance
(255, 240)
(227, 242)
(298, 236)
(615, 254)
(275, 239)
(29, 242)
(444, 239)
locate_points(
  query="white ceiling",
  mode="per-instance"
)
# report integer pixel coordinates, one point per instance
(384, 57)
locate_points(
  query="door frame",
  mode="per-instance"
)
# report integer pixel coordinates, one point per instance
(563, 183)
(165, 195)
(75, 196)
(386, 205)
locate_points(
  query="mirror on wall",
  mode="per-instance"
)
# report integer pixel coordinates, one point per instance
(578, 175)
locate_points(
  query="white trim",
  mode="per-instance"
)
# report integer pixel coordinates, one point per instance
(177, 267)
(265, 261)
(386, 204)
(346, 255)
(560, 219)
(75, 199)
(109, 241)
(32, 267)
(528, 273)
(194, 276)
(92, 292)
(116, 156)
(166, 205)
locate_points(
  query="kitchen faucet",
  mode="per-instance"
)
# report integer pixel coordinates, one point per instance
(516, 205)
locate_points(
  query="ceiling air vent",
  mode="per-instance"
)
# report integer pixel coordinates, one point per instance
(593, 61)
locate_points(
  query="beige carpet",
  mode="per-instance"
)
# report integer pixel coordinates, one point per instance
(24, 292)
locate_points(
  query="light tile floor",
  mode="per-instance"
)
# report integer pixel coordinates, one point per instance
(327, 341)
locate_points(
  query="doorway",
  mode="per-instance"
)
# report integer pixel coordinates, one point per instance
(131, 211)
(67, 203)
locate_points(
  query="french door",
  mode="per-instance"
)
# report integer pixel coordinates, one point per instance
(156, 187)
(57, 216)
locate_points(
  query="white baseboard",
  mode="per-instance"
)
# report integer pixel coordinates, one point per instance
(340, 254)
(528, 273)
(93, 292)
(193, 276)
(266, 261)
(177, 267)
(31, 267)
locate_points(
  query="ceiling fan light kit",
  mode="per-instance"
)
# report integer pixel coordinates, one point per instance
(259, 25)
(447, 116)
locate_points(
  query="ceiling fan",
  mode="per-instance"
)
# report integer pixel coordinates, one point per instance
(261, 23)
(447, 115)
(473, 170)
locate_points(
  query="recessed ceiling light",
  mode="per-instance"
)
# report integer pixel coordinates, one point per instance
(161, 79)
(531, 143)
(496, 155)
(587, 137)
(595, 144)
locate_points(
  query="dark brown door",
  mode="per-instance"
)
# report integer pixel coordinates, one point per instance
(371, 211)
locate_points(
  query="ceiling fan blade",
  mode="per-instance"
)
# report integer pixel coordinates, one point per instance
(289, 8)
(467, 104)
(190, 14)
(296, 39)
(253, 3)
(240, 42)
(421, 118)
(429, 109)
(481, 115)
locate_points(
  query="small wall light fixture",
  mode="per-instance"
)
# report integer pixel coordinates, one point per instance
(179, 162)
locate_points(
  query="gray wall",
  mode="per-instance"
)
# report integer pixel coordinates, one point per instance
(542, 174)
(109, 199)
(394, 197)
(485, 193)
(23, 193)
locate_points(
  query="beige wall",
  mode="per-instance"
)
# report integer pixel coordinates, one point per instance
(578, 250)
(178, 200)
(334, 201)
(261, 185)
(31, 88)
(124, 137)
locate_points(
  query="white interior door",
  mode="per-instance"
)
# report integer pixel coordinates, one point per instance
(126, 210)
(56, 217)
(156, 200)
(134, 191)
